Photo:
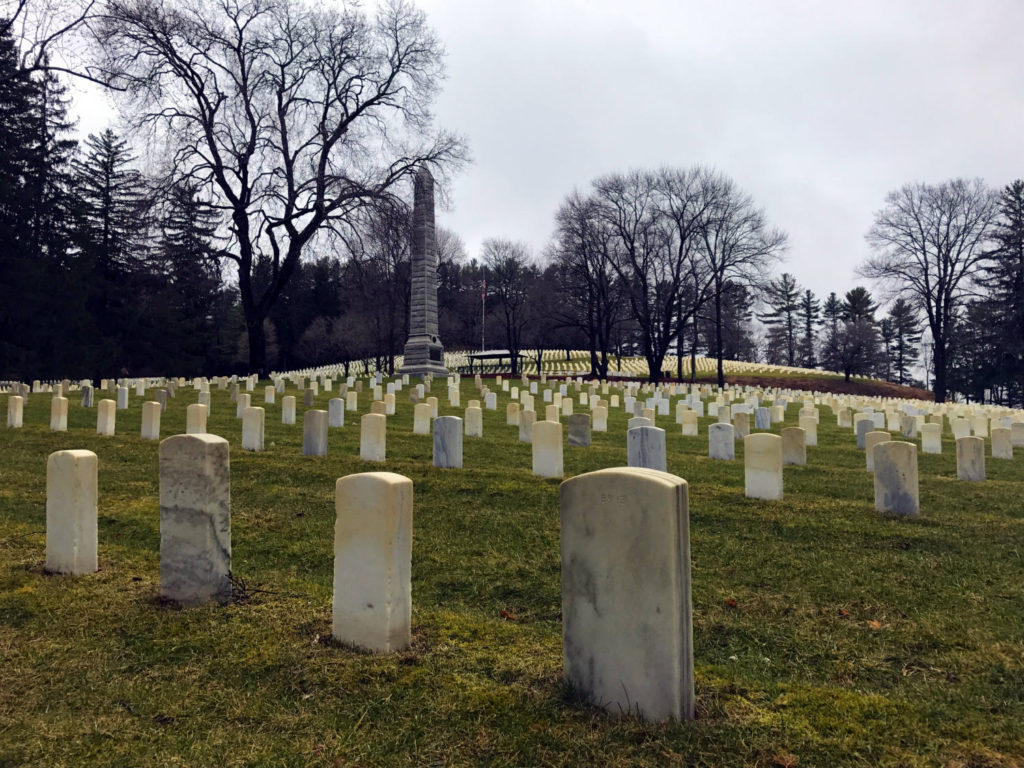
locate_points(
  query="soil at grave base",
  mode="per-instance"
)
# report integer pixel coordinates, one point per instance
(836, 386)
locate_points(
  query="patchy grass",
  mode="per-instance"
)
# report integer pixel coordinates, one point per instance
(854, 640)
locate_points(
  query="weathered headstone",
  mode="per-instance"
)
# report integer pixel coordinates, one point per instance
(335, 412)
(512, 414)
(1002, 446)
(372, 606)
(970, 459)
(689, 423)
(763, 464)
(269, 395)
(863, 424)
(762, 419)
(810, 427)
(448, 442)
(475, 422)
(931, 438)
(794, 446)
(579, 430)
(314, 433)
(896, 485)
(872, 439)
(195, 519)
(243, 401)
(600, 418)
(639, 421)
(721, 443)
(645, 447)
(552, 413)
(71, 495)
(122, 398)
(741, 424)
(526, 422)
(627, 626)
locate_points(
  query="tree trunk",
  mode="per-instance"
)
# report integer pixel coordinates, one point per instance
(257, 345)
(718, 337)
(939, 366)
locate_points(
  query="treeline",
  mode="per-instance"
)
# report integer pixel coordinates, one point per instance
(106, 270)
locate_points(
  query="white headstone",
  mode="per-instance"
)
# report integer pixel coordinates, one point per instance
(195, 419)
(253, 420)
(627, 627)
(546, 437)
(373, 437)
(763, 464)
(71, 497)
(151, 420)
(373, 561)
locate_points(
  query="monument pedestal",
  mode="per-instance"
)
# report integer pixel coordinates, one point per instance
(424, 354)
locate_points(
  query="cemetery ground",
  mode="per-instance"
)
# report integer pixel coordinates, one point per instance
(824, 634)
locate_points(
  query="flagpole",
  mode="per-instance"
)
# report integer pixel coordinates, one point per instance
(483, 310)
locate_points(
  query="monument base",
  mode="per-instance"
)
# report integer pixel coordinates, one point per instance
(423, 355)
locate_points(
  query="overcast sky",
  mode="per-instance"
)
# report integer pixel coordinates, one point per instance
(816, 108)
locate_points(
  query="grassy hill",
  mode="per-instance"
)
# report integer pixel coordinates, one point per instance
(824, 634)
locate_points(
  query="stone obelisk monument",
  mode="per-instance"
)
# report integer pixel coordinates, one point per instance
(423, 351)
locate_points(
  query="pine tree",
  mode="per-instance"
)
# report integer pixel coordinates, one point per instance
(1004, 277)
(114, 201)
(833, 314)
(905, 325)
(810, 318)
(783, 296)
(113, 236)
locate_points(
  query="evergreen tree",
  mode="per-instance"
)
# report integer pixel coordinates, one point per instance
(16, 92)
(783, 296)
(858, 342)
(1004, 277)
(113, 194)
(113, 237)
(905, 329)
(810, 318)
(833, 314)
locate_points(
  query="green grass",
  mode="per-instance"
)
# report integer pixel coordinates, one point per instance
(95, 671)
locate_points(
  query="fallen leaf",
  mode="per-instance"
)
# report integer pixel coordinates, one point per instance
(730, 603)
(785, 760)
(875, 624)
(843, 613)
(506, 615)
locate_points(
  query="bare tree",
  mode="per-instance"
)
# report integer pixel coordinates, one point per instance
(291, 116)
(929, 242)
(652, 218)
(738, 247)
(511, 275)
(590, 291)
(51, 34)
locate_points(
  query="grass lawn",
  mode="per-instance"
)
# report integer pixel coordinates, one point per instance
(824, 635)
